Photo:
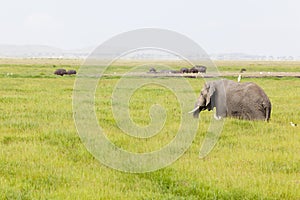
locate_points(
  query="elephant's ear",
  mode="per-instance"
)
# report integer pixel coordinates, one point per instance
(210, 92)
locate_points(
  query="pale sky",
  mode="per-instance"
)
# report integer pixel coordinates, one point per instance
(262, 27)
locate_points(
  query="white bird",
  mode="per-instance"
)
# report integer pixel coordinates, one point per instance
(292, 124)
(239, 78)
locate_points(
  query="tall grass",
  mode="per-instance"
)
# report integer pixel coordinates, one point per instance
(42, 156)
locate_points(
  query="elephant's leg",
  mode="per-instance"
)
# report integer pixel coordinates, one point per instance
(217, 117)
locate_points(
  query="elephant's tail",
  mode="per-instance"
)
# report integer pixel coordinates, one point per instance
(268, 112)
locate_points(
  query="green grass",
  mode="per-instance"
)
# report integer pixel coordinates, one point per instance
(42, 156)
(259, 66)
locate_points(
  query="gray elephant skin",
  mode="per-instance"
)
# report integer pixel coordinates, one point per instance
(71, 71)
(198, 69)
(60, 72)
(231, 99)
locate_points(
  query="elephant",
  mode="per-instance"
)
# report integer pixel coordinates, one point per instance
(231, 99)
(71, 71)
(184, 70)
(198, 69)
(193, 70)
(60, 72)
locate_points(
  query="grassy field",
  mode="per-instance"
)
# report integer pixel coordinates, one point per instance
(42, 156)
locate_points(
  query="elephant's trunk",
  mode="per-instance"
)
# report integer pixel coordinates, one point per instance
(199, 106)
(196, 111)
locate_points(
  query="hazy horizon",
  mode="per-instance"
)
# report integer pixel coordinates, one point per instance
(254, 27)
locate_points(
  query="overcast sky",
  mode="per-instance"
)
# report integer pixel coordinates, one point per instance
(263, 27)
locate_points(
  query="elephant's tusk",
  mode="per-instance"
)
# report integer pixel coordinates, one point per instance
(194, 109)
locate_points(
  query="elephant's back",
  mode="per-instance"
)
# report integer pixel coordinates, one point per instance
(247, 101)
